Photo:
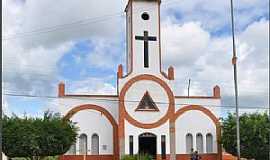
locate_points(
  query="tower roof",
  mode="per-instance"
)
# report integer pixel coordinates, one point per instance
(159, 1)
(145, 0)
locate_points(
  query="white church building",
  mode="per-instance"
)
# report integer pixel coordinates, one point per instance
(145, 115)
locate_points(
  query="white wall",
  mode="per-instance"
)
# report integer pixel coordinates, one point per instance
(65, 104)
(139, 26)
(193, 122)
(91, 122)
(4, 157)
(135, 132)
(211, 104)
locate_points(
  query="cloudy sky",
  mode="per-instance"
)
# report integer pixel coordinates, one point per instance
(82, 42)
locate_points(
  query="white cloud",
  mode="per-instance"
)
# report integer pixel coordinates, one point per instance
(31, 70)
(92, 86)
(215, 15)
(105, 54)
(30, 60)
(209, 60)
(33, 15)
(174, 35)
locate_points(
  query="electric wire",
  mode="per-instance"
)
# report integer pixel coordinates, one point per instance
(128, 101)
(85, 21)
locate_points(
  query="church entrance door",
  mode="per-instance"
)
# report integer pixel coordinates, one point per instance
(148, 144)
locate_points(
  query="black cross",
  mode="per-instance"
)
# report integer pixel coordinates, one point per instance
(146, 38)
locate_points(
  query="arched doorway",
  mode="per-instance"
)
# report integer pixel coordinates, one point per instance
(148, 144)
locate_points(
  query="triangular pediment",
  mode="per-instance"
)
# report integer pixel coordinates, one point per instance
(147, 103)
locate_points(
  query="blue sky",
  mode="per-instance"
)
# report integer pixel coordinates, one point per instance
(85, 54)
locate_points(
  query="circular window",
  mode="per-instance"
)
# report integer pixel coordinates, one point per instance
(145, 16)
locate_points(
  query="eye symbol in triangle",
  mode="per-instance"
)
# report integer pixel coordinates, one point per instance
(147, 103)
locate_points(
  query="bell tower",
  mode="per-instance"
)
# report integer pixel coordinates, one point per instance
(143, 36)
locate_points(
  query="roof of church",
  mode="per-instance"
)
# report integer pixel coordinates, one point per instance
(145, 0)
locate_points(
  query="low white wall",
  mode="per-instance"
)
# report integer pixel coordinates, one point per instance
(194, 122)
(4, 157)
(210, 103)
(65, 104)
(93, 122)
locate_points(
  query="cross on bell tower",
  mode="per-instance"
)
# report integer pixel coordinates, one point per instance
(146, 39)
(143, 17)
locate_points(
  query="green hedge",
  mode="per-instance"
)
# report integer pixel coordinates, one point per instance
(138, 157)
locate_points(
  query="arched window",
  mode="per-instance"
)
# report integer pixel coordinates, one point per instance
(209, 143)
(72, 150)
(95, 144)
(83, 144)
(199, 142)
(189, 143)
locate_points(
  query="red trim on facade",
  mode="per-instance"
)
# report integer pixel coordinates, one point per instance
(107, 115)
(227, 156)
(134, 122)
(211, 116)
(216, 92)
(203, 156)
(61, 89)
(87, 157)
(120, 71)
(210, 156)
(171, 73)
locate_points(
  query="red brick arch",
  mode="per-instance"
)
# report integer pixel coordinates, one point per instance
(210, 115)
(107, 114)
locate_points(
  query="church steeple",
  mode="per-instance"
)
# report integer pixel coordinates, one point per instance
(143, 36)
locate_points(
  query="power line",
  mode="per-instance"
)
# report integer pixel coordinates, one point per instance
(54, 81)
(131, 101)
(36, 70)
(82, 21)
(70, 25)
(51, 30)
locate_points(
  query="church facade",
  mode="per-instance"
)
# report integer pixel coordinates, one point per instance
(145, 115)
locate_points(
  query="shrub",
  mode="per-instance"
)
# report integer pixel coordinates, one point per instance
(137, 157)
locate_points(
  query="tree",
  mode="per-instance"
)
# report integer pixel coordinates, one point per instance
(254, 135)
(36, 138)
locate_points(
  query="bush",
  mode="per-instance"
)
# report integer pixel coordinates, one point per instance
(43, 158)
(36, 138)
(254, 139)
(138, 157)
(144, 157)
(127, 157)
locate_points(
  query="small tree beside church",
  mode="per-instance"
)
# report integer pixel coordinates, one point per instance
(254, 135)
(36, 138)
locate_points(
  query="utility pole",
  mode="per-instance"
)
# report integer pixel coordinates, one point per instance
(188, 86)
(269, 132)
(234, 61)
